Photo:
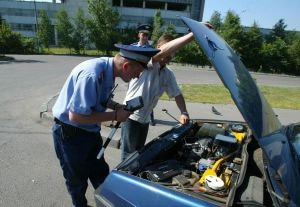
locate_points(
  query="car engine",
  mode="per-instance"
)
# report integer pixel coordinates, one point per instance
(202, 159)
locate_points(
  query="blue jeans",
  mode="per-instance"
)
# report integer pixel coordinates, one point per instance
(77, 157)
(133, 137)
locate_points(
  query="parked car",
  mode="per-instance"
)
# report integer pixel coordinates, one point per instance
(214, 163)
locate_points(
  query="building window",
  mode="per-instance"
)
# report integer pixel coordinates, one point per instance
(175, 22)
(22, 27)
(116, 2)
(135, 19)
(155, 5)
(25, 12)
(133, 3)
(20, 12)
(28, 27)
(177, 7)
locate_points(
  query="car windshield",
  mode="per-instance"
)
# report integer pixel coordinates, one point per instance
(296, 144)
(295, 139)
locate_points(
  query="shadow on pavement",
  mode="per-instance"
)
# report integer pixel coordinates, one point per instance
(9, 60)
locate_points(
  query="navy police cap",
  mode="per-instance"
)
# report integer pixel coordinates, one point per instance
(139, 54)
(145, 28)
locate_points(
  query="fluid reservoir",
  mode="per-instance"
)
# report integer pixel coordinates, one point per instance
(210, 130)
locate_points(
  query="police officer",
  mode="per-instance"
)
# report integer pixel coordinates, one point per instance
(80, 109)
(143, 35)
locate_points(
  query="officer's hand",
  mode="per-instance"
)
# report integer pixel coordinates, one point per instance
(122, 115)
(184, 118)
(119, 106)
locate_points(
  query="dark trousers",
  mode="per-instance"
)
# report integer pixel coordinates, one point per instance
(152, 116)
(133, 137)
(77, 157)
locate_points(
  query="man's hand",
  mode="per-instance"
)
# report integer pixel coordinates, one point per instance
(209, 25)
(184, 118)
(121, 115)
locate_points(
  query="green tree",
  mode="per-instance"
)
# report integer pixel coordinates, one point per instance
(291, 36)
(45, 29)
(253, 47)
(10, 42)
(170, 30)
(64, 29)
(234, 33)
(278, 31)
(29, 46)
(275, 57)
(216, 21)
(5, 32)
(80, 40)
(294, 52)
(102, 24)
(192, 54)
(127, 35)
(157, 24)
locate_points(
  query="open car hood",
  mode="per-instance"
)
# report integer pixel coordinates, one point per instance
(253, 106)
(245, 93)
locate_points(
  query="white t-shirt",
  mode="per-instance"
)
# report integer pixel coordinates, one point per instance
(151, 84)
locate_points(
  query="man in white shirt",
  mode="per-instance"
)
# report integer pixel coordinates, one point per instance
(143, 36)
(151, 85)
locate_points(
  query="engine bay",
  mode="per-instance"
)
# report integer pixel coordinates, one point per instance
(202, 159)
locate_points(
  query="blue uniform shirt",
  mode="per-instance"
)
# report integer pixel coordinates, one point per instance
(147, 45)
(86, 90)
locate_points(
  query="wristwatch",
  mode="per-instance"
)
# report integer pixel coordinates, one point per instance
(185, 113)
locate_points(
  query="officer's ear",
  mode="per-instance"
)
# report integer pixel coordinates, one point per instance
(125, 66)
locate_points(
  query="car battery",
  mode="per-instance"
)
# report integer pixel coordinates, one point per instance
(163, 171)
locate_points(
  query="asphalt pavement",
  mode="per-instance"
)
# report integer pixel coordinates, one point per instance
(30, 174)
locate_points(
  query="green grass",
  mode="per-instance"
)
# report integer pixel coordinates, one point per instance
(278, 97)
(66, 51)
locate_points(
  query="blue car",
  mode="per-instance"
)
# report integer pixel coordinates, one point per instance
(210, 162)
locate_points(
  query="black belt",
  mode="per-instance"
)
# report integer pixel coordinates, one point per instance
(70, 130)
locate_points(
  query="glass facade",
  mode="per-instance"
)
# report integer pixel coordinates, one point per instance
(22, 27)
(23, 12)
(155, 5)
(178, 7)
(20, 15)
(131, 3)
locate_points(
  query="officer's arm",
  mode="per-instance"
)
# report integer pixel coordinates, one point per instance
(114, 105)
(172, 47)
(98, 117)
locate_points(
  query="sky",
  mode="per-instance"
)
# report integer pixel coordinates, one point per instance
(265, 12)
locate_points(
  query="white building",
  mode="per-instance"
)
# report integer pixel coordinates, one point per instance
(142, 11)
(21, 15)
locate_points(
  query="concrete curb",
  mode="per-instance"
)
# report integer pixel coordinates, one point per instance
(46, 108)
